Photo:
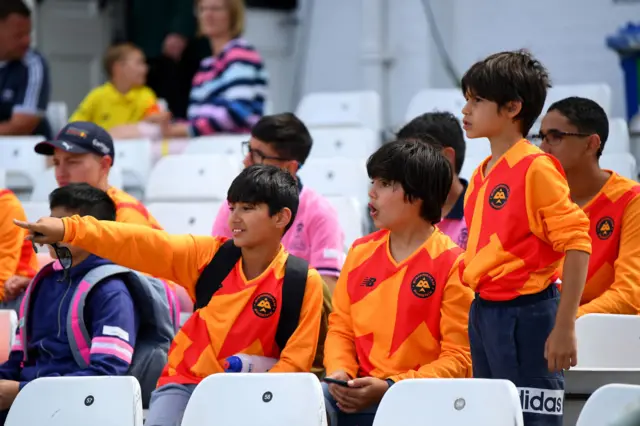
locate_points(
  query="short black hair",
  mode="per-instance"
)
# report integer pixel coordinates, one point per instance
(11, 7)
(424, 173)
(510, 76)
(286, 134)
(586, 115)
(85, 200)
(271, 185)
(443, 128)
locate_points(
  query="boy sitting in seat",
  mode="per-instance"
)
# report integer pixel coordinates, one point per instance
(399, 309)
(42, 346)
(238, 312)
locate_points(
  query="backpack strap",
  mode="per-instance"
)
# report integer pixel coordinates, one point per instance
(215, 272)
(293, 288)
(77, 333)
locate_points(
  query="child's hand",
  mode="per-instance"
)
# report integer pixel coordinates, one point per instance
(561, 349)
(47, 230)
(159, 117)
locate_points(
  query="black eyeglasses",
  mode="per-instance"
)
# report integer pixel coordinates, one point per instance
(62, 253)
(257, 156)
(554, 137)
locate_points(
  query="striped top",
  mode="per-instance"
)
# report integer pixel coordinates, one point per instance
(228, 91)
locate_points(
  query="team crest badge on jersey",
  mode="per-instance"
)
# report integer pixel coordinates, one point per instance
(499, 196)
(604, 228)
(423, 285)
(264, 305)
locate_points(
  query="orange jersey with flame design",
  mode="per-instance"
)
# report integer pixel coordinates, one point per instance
(400, 320)
(521, 221)
(242, 316)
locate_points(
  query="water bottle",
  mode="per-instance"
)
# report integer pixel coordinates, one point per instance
(242, 363)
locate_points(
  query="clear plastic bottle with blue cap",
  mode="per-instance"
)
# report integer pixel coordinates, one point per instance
(243, 363)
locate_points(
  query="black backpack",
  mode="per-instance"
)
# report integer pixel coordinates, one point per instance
(293, 287)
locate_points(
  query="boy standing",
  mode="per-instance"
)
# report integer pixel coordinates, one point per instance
(443, 129)
(399, 309)
(521, 223)
(242, 315)
(575, 130)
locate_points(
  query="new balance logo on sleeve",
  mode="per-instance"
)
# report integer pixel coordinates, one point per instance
(541, 401)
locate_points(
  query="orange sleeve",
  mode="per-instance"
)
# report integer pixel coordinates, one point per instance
(126, 214)
(179, 258)
(300, 350)
(11, 237)
(454, 360)
(340, 348)
(552, 216)
(623, 297)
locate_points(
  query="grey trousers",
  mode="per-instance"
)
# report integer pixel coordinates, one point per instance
(167, 405)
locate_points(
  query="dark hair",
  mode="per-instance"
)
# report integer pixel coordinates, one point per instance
(510, 76)
(10, 7)
(421, 169)
(85, 200)
(443, 127)
(586, 115)
(288, 136)
(271, 185)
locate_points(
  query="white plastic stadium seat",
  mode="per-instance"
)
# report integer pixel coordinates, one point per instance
(57, 115)
(431, 100)
(3, 176)
(347, 109)
(20, 161)
(35, 210)
(469, 166)
(608, 341)
(337, 177)
(78, 401)
(185, 218)
(351, 217)
(477, 402)
(618, 140)
(623, 164)
(8, 326)
(134, 158)
(239, 399)
(218, 145)
(598, 92)
(609, 404)
(348, 142)
(46, 182)
(192, 178)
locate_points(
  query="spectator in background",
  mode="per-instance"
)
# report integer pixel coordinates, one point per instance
(283, 140)
(228, 91)
(163, 30)
(124, 99)
(18, 261)
(444, 129)
(24, 75)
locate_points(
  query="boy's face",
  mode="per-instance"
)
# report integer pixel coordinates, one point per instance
(77, 254)
(251, 224)
(573, 152)
(79, 168)
(388, 206)
(483, 119)
(133, 68)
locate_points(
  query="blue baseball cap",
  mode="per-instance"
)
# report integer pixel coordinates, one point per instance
(79, 137)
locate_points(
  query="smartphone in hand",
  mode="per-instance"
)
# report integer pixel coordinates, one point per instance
(336, 382)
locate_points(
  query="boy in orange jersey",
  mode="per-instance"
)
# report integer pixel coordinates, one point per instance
(243, 314)
(575, 130)
(521, 224)
(399, 309)
(18, 261)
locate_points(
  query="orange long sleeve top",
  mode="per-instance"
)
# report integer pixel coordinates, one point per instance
(613, 279)
(400, 320)
(17, 256)
(232, 322)
(521, 221)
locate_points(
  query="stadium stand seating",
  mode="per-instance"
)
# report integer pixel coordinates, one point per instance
(609, 404)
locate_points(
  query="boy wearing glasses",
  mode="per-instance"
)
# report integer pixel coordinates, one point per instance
(282, 140)
(575, 130)
(112, 320)
(521, 224)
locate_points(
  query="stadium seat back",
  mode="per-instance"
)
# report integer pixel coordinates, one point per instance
(608, 341)
(341, 109)
(624, 164)
(612, 404)
(217, 145)
(337, 177)
(185, 218)
(21, 163)
(134, 158)
(348, 142)
(351, 217)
